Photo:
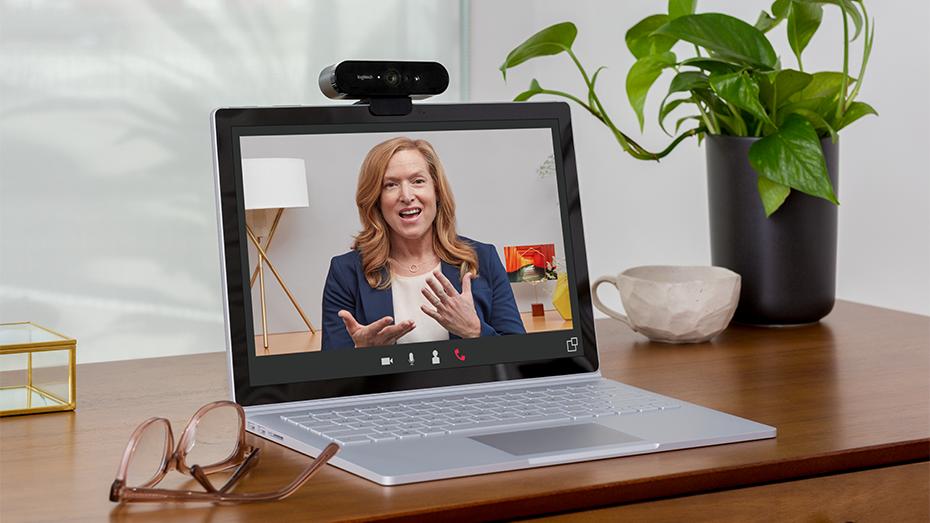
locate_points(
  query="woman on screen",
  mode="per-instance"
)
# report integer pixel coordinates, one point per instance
(409, 277)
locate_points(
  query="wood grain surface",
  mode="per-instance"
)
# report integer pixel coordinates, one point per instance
(900, 493)
(848, 394)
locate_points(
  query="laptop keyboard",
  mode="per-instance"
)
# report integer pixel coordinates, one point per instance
(477, 412)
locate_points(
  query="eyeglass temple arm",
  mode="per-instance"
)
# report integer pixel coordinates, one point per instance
(320, 460)
(201, 478)
(243, 469)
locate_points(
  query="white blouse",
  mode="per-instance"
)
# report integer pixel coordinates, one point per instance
(407, 298)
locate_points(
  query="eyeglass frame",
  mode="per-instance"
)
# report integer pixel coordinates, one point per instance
(244, 456)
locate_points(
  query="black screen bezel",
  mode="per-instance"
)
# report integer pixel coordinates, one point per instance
(227, 125)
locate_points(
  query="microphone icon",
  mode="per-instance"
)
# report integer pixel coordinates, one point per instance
(410, 358)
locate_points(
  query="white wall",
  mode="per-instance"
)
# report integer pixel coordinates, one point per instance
(642, 213)
(107, 219)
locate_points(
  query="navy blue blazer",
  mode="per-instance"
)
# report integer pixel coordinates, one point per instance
(346, 288)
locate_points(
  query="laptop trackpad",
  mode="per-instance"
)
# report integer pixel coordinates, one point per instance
(554, 439)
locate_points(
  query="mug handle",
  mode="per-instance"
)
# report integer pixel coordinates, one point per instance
(603, 308)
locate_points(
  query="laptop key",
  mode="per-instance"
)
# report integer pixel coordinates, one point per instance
(407, 434)
(360, 425)
(504, 424)
(352, 440)
(319, 428)
(332, 434)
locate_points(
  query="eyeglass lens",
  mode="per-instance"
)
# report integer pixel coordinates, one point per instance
(215, 437)
(149, 455)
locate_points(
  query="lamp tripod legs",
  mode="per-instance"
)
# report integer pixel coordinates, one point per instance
(263, 259)
(261, 284)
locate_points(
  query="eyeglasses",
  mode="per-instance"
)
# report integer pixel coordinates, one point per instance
(213, 441)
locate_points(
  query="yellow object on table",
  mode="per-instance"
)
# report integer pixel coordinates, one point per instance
(37, 368)
(561, 298)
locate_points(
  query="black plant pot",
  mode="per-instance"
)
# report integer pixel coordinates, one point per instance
(788, 261)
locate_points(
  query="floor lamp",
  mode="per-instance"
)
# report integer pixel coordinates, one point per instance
(269, 186)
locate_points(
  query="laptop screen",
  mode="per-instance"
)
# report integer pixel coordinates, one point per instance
(389, 253)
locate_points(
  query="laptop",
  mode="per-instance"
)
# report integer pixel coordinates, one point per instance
(480, 359)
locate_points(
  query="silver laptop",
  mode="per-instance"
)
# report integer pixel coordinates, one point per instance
(423, 297)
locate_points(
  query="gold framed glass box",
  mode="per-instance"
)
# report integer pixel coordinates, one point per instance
(37, 367)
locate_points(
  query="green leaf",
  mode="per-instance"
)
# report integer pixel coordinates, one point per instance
(685, 119)
(803, 21)
(742, 91)
(724, 37)
(821, 95)
(824, 83)
(679, 8)
(788, 82)
(780, 8)
(793, 156)
(767, 22)
(534, 89)
(822, 105)
(711, 65)
(667, 107)
(641, 41)
(641, 77)
(820, 124)
(688, 81)
(550, 41)
(731, 125)
(775, 88)
(855, 111)
(848, 6)
(773, 194)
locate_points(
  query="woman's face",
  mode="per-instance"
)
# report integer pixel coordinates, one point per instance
(408, 195)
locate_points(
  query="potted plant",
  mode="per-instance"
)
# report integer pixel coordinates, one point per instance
(771, 133)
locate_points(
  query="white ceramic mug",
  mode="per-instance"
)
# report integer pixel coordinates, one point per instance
(674, 304)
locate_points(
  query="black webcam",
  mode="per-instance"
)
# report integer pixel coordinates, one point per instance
(387, 87)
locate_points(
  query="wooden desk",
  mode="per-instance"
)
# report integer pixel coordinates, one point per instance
(848, 395)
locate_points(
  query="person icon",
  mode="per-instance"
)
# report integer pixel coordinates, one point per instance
(435, 357)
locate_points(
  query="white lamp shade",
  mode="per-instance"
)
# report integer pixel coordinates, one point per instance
(274, 183)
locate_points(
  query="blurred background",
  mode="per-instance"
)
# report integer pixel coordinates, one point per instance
(107, 214)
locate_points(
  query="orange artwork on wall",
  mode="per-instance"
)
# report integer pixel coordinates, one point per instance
(527, 263)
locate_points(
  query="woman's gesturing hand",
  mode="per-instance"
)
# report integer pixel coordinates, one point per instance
(379, 332)
(454, 311)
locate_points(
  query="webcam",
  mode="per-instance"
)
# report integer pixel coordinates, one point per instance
(387, 87)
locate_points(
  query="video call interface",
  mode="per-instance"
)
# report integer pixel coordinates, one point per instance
(404, 251)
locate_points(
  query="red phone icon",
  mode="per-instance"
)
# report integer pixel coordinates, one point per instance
(460, 356)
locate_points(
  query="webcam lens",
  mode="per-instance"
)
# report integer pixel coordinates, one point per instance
(391, 78)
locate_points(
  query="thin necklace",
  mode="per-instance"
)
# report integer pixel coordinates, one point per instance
(413, 267)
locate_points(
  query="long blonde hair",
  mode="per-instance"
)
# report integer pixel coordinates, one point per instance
(373, 242)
